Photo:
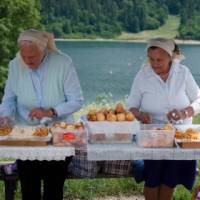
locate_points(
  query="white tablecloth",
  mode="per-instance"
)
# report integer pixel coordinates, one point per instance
(36, 153)
(132, 152)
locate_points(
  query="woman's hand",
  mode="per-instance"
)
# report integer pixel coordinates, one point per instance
(39, 113)
(176, 115)
(4, 121)
(145, 118)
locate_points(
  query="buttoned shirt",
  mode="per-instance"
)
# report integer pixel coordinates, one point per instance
(151, 94)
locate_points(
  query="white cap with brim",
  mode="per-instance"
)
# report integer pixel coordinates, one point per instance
(163, 43)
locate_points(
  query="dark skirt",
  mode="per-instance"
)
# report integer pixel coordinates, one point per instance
(53, 174)
(169, 173)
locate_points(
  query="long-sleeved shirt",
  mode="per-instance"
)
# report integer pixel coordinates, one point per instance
(72, 92)
(150, 93)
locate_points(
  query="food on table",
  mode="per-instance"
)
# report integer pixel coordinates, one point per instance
(110, 114)
(66, 134)
(168, 127)
(190, 134)
(165, 127)
(130, 116)
(5, 130)
(41, 131)
(68, 126)
(28, 132)
(119, 108)
(121, 117)
(156, 136)
(100, 116)
(92, 115)
(111, 125)
(111, 117)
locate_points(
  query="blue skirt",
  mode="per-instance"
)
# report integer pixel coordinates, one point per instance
(169, 173)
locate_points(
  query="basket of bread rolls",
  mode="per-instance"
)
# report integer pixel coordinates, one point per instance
(111, 125)
(67, 134)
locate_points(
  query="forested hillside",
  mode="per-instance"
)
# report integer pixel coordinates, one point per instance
(107, 18)
(104, 18)
(91, 19)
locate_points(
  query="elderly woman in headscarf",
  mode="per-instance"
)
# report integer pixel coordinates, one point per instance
(165, 91)
(42, 84)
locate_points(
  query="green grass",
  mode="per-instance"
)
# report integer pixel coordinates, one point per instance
(93, 188)
(168, 30)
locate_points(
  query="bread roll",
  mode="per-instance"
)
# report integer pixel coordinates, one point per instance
(119, 108)
(121, 117)
(129, 116)
(70, 127)
(100, 116)
(111, 117)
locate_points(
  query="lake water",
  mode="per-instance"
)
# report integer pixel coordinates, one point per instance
(108, 68)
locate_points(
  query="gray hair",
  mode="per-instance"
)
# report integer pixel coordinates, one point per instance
(43, 40)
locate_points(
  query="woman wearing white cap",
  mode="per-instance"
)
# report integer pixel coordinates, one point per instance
(42, 84)
(165, 91)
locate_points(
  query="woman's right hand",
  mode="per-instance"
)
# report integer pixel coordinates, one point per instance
(4, 121)
(145, 118)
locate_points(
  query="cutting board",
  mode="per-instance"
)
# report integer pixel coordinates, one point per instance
(189, 144)
(184, 143)
(23, 143)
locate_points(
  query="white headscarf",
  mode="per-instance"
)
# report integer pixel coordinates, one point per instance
(163, 43)
(44, 40)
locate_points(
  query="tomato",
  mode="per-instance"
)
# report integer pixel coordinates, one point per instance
(69, 136)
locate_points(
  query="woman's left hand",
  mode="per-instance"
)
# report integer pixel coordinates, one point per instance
(39, 113)
(175, 115)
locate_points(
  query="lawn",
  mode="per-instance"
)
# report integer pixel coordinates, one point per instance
(89, 189)
(168, 30)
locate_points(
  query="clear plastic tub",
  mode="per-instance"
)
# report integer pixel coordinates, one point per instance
(112, 132)
(67, 137)
(155, 136)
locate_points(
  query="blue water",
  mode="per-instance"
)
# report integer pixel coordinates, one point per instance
(108, 68)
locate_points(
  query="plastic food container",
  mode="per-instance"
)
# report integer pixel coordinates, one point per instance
(154, 136)
(112, 132)
(67, 137)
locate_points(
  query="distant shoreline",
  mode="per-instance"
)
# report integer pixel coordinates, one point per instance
(197, 42)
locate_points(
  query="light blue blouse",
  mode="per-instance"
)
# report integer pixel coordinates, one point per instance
(73, 98)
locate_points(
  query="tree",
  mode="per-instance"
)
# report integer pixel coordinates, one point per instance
(15, 16)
